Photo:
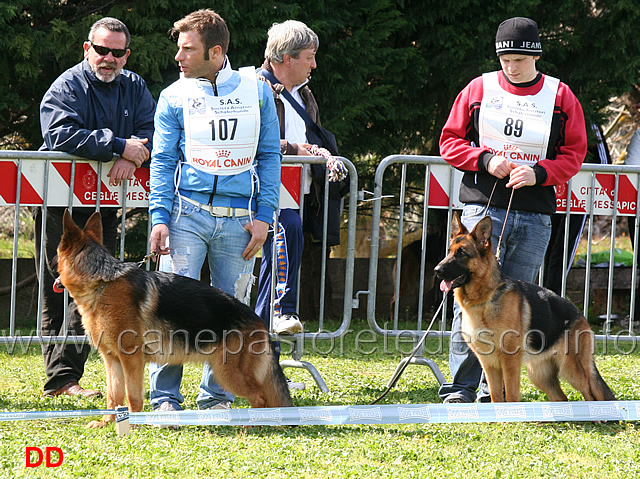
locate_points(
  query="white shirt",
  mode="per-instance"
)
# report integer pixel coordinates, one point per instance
(295, 131)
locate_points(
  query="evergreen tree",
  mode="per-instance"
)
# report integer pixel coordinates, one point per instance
(388, 71)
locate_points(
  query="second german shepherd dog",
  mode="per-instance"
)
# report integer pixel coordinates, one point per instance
(135, 316)
(507, 322)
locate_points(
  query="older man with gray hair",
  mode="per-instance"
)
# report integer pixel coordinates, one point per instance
(290, 57)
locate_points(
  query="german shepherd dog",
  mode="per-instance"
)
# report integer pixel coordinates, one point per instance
(507, 322)
(135, 316)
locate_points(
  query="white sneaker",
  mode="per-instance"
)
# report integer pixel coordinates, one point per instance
(287, 323)
(221, 405)
(166, 407)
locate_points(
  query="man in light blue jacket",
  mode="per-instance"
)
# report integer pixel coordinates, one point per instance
(215, 178)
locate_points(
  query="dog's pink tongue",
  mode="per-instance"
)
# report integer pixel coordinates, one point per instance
(445, 286)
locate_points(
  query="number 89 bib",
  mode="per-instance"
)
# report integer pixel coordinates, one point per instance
(516, 127)
(222, 132)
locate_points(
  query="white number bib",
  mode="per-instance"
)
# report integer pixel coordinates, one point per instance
(513, 126)
(222, 132)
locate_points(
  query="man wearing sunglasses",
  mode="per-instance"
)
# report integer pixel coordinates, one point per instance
(99, 111)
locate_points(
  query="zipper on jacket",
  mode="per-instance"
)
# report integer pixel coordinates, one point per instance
(214, 86)
(215, 177)
(215, 187)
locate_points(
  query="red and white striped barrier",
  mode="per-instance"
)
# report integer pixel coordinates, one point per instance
(601, 194)
(33, 190)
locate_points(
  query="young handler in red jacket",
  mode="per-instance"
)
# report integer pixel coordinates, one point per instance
(523, 132)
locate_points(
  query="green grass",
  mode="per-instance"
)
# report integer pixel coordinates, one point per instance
(622, 241)
(505, 450)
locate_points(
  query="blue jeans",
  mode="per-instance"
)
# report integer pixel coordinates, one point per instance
(523, 247)
(193, 236)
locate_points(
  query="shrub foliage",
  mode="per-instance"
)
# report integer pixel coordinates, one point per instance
(388, 71)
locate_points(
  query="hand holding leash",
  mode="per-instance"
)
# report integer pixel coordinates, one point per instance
(259, 231)
(520, 176)
(499, 166)
(159, 239)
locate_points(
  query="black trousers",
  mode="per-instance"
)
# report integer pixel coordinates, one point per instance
(64, 363)
(554, 257)
(632, 233)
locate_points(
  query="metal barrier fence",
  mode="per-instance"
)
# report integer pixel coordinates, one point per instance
(44, 179)
(58, 179)
(597, 191)
(322, 333)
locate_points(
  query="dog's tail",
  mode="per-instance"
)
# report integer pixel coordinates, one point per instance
(278, 395)
(585, 375)
(599, 388)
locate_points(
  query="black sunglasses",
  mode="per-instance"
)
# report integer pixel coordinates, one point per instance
(104, 51)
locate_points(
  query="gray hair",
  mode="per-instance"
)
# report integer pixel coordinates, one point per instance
(290, 37)
(111, 24)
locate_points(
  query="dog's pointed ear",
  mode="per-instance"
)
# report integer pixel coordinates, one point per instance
(482, 231)
(93, 228)
(68, 225)
(457, 228)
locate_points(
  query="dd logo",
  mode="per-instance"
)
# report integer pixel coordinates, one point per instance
(35, 460)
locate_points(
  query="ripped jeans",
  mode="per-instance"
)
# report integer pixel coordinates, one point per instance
(192, 237)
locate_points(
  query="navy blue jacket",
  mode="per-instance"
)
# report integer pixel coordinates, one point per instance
(85, 116)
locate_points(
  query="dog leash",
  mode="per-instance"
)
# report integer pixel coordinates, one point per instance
(147, 257)
(413, 353)
(504, 224)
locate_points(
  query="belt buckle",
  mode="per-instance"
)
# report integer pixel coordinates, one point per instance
(213, 211)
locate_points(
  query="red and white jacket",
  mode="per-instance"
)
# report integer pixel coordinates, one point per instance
(565, 153)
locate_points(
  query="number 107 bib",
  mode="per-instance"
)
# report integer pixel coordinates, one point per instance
(516, 127)
(222, 132)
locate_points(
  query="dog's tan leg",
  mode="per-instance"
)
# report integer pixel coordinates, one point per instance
(579, 367)
(576, 362)
(115, 388)
(511, 365)
(243, 372)
(241, 382)
(115, 384)
(495, 381)
(581, 380)
(133, 368)
(544, 376)
(256, 399)
(271, 388)
(251, 371)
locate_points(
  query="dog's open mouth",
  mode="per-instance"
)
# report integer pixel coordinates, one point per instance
(446, 286)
